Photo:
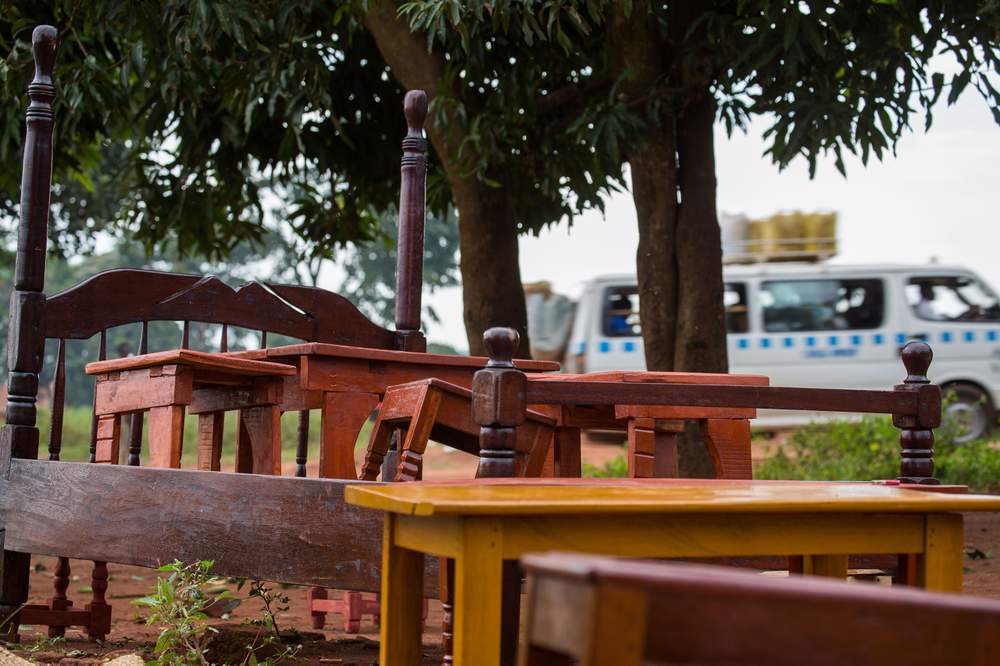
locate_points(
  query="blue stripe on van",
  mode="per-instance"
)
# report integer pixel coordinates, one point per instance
(788, 342)
(810, 341)
(604, 346)
(833, 340)
(945, 336)
(969, 336)
(581, 348)
(765, 343)
(991, 336)
(628, 346)
(855, 340)
(900, 338)
(878, 339)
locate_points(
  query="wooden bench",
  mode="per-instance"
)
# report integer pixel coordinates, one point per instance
(127, 296)
(606, 612)
(501, 395)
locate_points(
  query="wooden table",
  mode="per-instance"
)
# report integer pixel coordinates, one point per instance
(482, 525)
(652, 430)
(347, 383)
(164, 384)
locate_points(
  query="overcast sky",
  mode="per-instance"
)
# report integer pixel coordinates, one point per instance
(939, 197)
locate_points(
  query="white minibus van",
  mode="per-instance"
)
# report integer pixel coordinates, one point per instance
(825, 325)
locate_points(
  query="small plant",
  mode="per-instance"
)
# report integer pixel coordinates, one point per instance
(179, 603)
(273, 602)
(615, 468)
(44, 643)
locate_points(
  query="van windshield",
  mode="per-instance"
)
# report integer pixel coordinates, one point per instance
(951, 298)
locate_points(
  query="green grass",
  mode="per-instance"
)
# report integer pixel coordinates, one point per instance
(76, 435)
(859, 450)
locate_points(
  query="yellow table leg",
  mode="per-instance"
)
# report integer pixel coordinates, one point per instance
(402, 601)
(830, 566)
(478, 579)
(940, 565)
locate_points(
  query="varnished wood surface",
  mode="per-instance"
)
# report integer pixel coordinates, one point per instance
(193, 359)
(282, 529)
(390, 355)
(764, 620)
(659, 378)
(541, 496)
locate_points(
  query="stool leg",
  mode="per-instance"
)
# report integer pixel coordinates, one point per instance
(425, 414)
(108, 439)
(567, 453)
(378, 447)
(166, 425)
(728, 443)
(210, 427)
(318, 617)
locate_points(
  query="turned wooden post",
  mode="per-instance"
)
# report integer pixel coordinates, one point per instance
(25, 341)
(410, 245)
(498, 404)
(916, 436)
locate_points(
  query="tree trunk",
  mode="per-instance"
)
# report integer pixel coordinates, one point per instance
(654, 191)
(638, 53)
(701, 320)
(492, 293)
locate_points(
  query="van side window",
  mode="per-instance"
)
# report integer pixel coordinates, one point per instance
(621, 312)
(735, 299)
(822, 305)
(951, 298)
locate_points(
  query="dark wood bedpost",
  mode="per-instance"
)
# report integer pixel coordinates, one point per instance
(410, 243)
(916, 436)
(499, 406)
(412, 206)
(25, 339)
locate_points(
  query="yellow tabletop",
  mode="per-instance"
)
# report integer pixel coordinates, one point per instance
(480, 525)
(543, 496)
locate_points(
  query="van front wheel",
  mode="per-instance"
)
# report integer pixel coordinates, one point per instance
(969, 411)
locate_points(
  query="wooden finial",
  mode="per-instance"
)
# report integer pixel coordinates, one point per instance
(412, 210)
(916, 435)
(917, 357)
(44, 40)
(501, 345)
(498, 404)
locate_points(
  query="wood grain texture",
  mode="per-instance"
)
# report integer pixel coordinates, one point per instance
(784, 622)
(244, 522)
(391, 355)
(585, 496)
(196, 360)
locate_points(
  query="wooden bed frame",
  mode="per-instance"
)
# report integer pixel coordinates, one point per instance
(75, 510)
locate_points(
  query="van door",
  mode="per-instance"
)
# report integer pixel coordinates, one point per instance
(616, 340)
(824, 332)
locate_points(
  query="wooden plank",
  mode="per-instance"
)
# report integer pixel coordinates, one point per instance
(263, 391)
(592, 496)
(319, 349)
(137, 390)
(541, 391)
(193, 359)
(274, 528)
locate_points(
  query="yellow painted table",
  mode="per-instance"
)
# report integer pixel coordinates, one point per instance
(482, 524)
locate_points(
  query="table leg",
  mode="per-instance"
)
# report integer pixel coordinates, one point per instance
(344, 414)
(258, 440)
(402, 601)
(940, 565)
(478, 592)
(166, 428)
(652, 449)
(566, 444)
(829, 566)
(108, 439)
(210, 427)
(728, 443)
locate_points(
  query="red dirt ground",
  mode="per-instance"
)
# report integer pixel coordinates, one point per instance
(130, 633)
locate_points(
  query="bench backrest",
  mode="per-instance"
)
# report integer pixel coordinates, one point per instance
(606, 611)
(130, 296)
(501, 394)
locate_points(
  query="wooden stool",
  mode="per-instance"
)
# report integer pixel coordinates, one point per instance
(434, 409)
